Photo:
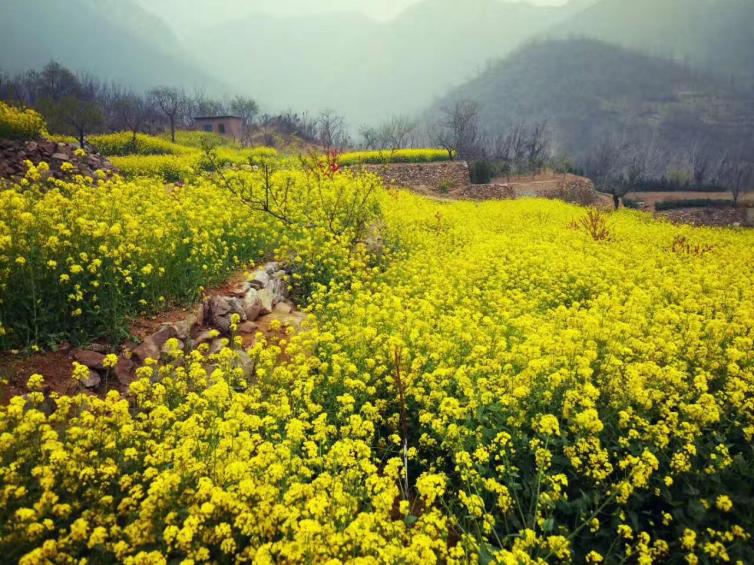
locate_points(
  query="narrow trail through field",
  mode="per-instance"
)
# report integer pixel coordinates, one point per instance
(192, 326)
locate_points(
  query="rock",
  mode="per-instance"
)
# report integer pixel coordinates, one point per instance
(221, 309)
(266, 299)
(200, 313)
(184, 327)
(204, 337)
(259, 279)
(241, 290)
(166, 332)
(248, 328)
(252, 304)
(247, 365)
(284, 308)
(294, 320)
(92, 381)
(279, 289)
(14, 153)
(217, 345)
(99, 348)
(147, 350)
(124, 371)
(91, 359)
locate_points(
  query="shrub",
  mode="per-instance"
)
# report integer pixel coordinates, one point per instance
(395, 156)
(124, 143)
(481, 172)
(595, 224)
(20, 123)
(692, 203)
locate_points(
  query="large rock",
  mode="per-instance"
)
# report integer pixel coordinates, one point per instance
(259, 279)
(166, 332)
(92, 381)
(220, 309)
(91, 359)
(252, 304)
(267, 301)
(124, 371)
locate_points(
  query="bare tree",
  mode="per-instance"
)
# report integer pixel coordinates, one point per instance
(700, 161)
(130, 112)
(605, 168)
(458, 129)
(396, 133)
(245, 108)
(537, 146)
(172, 104)
(737, 174)
(331, 130)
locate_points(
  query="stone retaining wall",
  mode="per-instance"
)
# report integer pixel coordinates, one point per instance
(441, 176)
(14, 154)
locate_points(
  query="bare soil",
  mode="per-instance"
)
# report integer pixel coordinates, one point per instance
(57, 366)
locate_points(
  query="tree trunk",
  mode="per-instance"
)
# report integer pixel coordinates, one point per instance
(616, 201)
(172, 128)
(81, 138)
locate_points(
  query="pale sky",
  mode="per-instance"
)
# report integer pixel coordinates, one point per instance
(184, 14)
(380, 9)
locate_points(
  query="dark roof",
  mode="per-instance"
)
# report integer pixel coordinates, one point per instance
(217, 117)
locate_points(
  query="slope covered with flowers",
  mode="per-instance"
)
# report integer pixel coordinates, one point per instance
(495, 386)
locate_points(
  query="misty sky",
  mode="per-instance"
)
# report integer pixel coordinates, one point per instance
(381, 9)
(183, 15)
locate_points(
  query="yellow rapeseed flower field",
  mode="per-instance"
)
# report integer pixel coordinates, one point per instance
(490, 384)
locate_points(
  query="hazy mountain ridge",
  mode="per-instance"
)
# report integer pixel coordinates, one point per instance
(111, 39)
(587, 89)
(715, 35)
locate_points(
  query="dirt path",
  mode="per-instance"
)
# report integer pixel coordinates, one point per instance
(56, 366)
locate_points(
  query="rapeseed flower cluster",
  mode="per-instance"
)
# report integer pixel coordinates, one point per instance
(492, 385)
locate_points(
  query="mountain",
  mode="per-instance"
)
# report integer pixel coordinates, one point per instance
(587, 89)
(364, 68)
(715, 35)
(111, 39)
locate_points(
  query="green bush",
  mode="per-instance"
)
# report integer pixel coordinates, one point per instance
(692, 203)
(481, 172)
(20, 123)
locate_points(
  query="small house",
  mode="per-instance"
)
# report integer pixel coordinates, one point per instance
(229, 126)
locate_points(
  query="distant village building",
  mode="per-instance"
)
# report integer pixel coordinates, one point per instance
(229, 126)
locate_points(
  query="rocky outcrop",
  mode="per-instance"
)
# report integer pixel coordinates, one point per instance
(257, 302)
(14, 154)
(443, 177)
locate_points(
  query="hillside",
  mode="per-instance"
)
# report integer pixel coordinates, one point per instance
(111, 39)
(715, 35)
(586, 88)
